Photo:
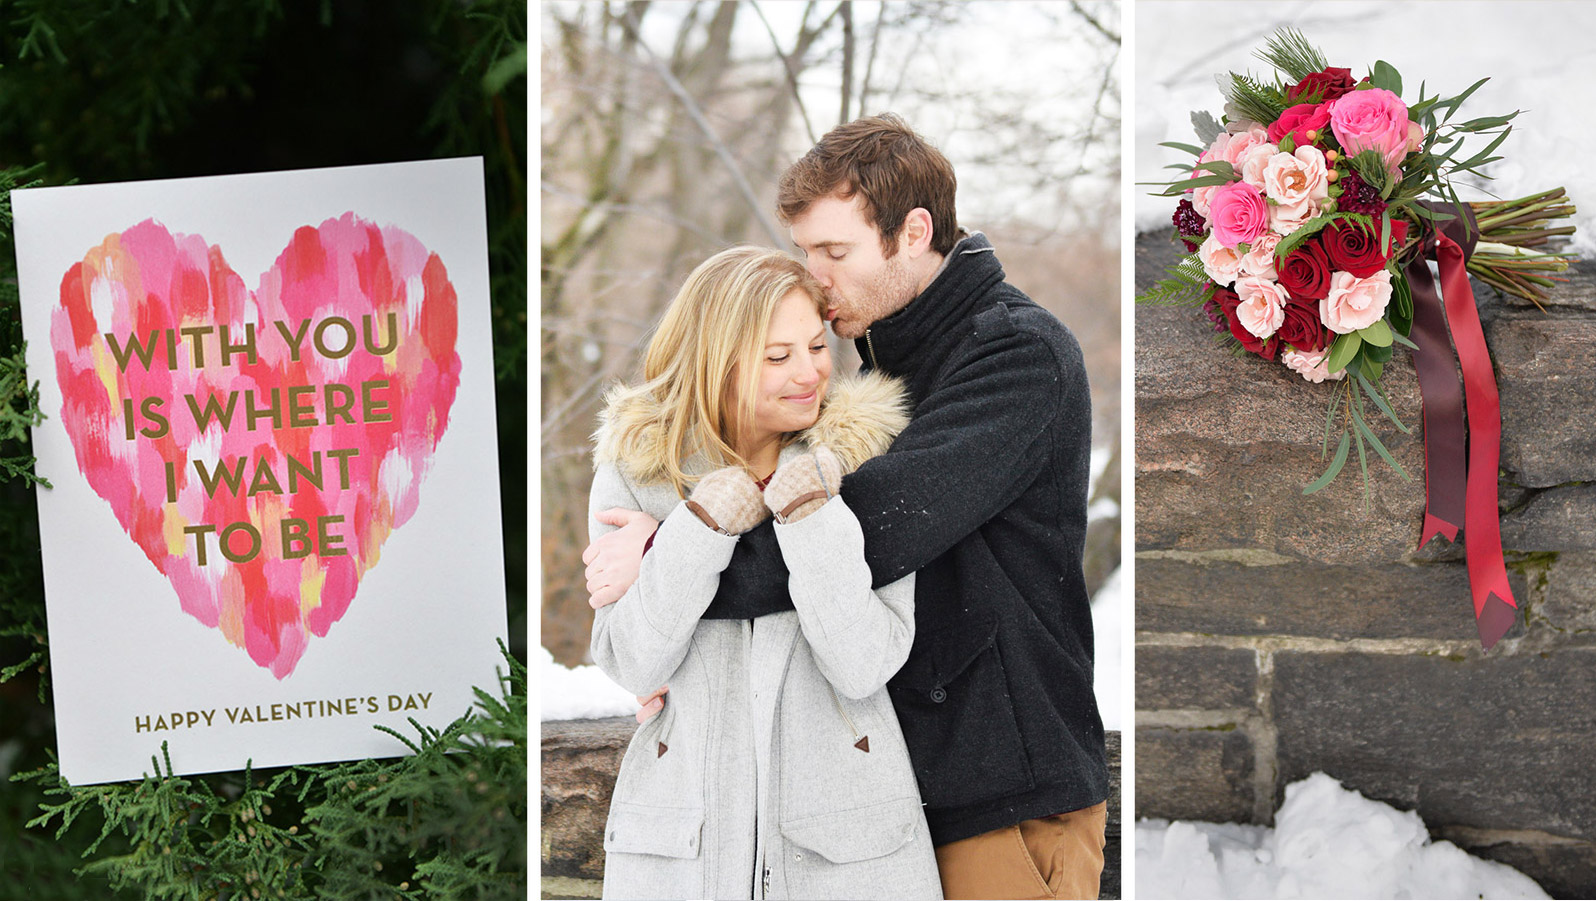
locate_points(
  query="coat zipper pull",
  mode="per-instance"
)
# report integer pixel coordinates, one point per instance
(870, 346)
(863, 742)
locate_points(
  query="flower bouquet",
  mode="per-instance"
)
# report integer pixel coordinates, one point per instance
(1309, 217)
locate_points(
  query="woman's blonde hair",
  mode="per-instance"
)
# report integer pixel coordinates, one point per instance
(714, 329)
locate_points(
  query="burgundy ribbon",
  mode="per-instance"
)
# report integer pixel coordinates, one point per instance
(1460, 491)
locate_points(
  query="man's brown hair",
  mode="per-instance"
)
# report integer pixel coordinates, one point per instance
(881, 159)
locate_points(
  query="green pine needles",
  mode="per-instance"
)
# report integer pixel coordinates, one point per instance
(1186, 285)
(447, 822)
(1252, 99)
(1290, 52)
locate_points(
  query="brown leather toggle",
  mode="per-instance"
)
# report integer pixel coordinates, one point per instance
(863, 744)
(799, 501)
(662, 750)
(704, 517)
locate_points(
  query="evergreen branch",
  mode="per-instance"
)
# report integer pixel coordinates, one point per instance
(1254, 100)
(1289, 52)
(1185, 285)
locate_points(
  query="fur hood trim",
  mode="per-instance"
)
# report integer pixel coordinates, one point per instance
(858, 420)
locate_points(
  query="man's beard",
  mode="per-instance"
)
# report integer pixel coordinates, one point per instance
(890, 291)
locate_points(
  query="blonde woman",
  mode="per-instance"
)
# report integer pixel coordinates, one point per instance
(777, 768)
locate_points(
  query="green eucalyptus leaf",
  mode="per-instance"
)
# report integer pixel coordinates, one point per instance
(1400, 311)
(1334, 469)
(1342, 351)
(1385, 76)
(1376, 333)
(1364, 431)
(1378, 396)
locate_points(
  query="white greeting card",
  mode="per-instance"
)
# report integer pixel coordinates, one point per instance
(270, 431)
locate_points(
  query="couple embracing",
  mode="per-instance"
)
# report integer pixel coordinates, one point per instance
(864, 596)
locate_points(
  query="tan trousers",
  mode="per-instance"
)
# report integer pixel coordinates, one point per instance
(1053, 857)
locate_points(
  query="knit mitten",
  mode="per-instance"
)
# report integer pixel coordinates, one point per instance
(728, 501)
(803, 484)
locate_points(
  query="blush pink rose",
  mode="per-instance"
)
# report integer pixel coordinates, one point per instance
(1238, 214)
(1201, 200)
(1253, 163)
(1259, 260)
(1263, 305)
(1291, 178)
(1288, 217)
(1220, 262)
(1230, 147)
(1298, 120)
(1375, 119)
(1311, 365)
(1354, 303)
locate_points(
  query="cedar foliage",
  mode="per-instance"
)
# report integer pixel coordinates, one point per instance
(109, 90)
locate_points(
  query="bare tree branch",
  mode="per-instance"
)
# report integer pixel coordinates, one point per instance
(786, 63)
(1092, 21)
(870, 61)
(697, 115)
(847, 59)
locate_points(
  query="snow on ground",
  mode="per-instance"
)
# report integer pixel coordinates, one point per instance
(580, 693)
(1538, 54)
(1328, 842)
(1108, 626)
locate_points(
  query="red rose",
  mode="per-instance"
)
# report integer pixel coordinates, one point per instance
(1305, 274)
(1302, 328)
(1228, 301)
(1354, 247)
(1326, 85)
(1298, 120)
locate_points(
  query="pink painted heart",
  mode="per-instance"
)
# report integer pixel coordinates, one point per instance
(259, 446)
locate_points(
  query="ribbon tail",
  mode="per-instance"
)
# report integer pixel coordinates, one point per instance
(1433, 526)
(1445, 442)
(1483, 527)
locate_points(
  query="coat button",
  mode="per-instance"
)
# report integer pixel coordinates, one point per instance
(612, 835)
(938, 695)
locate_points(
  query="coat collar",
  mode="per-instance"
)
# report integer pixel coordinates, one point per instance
(858, 420)
(969, 271)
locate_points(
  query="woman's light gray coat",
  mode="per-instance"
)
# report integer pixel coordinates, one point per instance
(777, 768)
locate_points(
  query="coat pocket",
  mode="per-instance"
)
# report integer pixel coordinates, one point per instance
(850, 836)
(876, 851)
(662, 831)
(953, 701)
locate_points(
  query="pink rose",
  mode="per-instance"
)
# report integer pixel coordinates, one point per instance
(1219, 261)
(1263, 305)
(1201, 200)
(1238, 214)
(1310, 365)
(1260, 257)
(1298, 120)
(1354, 303)
(1375, 119)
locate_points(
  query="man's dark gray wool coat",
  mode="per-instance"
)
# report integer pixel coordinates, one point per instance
(984, 495)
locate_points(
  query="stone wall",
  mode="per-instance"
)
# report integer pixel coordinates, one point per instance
(580, 759)
(1278, 634)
